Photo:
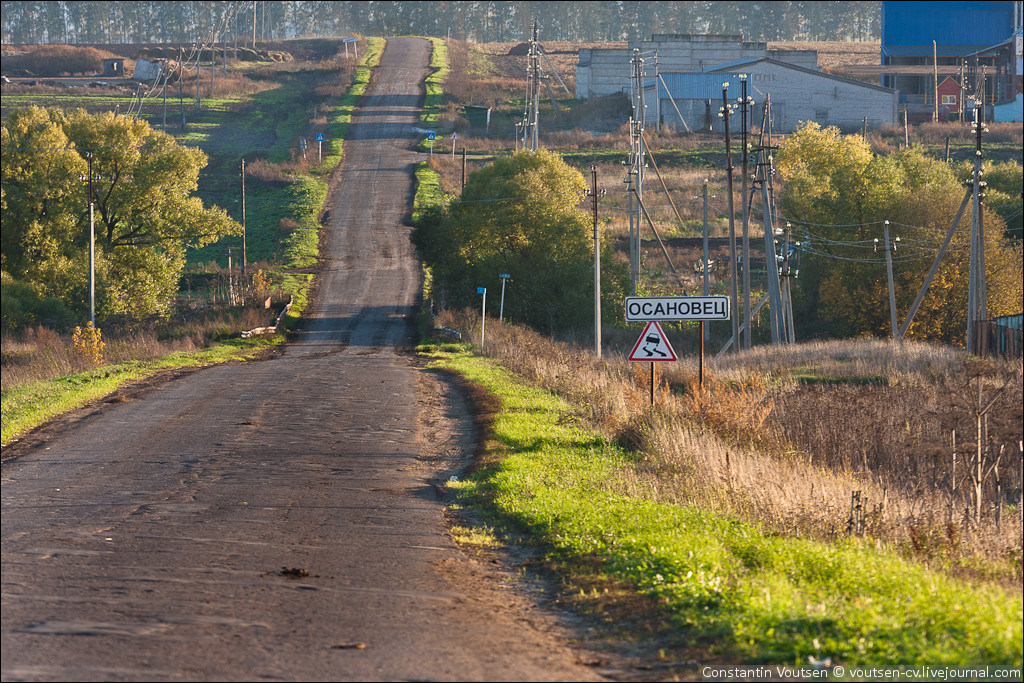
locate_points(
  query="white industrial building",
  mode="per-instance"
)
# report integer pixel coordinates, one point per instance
(692, 100)
(683, 77)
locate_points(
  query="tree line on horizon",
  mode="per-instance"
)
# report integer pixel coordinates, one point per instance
(206, 21)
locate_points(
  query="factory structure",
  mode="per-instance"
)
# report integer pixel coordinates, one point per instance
(975, 44)
(934, 58)
(683, 77)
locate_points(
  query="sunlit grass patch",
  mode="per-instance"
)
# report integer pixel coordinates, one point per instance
(481, 536)
(729, 588)
(25, 406)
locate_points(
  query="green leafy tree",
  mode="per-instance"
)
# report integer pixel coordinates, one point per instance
(840, 193)
(519, 215)
(146, 216)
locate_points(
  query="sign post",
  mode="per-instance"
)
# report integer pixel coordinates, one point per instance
(320, 147)
(653, 347)
(501, 311)
(431, 136)
(673, 309)
(483, 314)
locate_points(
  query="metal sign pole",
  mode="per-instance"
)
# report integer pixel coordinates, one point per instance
(701, 375)
(652, 383)
(483, 314)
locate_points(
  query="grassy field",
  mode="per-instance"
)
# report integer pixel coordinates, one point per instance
(42, 374)
(784, 511)
(716, 587)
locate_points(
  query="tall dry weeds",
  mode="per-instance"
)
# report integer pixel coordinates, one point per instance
(822, 460)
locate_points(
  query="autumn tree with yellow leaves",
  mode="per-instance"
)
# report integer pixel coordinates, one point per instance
(837, 194)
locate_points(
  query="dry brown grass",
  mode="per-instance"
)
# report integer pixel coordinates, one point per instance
(834, 54)
(50, 61)
(40, 353)
(757, 443)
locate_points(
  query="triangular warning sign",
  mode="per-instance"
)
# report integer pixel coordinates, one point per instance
(653, 345)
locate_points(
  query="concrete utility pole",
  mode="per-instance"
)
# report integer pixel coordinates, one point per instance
(594, 192)
(892, 288)
(181, 90)
(243, 220)
(745, 208)
(734, 295)
(704, 266)
(977, 304)
(92, 246)
(638, 163)
(533, 100)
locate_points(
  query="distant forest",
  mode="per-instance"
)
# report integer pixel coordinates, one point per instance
(49, 21)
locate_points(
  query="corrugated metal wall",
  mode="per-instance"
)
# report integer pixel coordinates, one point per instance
(957, 27)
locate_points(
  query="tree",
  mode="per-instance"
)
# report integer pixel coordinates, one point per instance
(519, 215)
(839, 194)
(145, 214)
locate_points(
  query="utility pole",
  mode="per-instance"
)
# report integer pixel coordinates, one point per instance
(92, 246)
(463, 186)
(704, 265)
(787, 294)
(243, 220)
(231, 281)
(892, 289)
(165, 96)
(199, 54)
(637, 164)
(977, 305)
(533, 96)
(657, 95)
(181, 90)
(734, 295)
(775, 306)
(594, 192)
(745, 208)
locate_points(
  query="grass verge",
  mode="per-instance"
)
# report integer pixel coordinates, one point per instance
(29, 405)
(729, 590)
(433, 102)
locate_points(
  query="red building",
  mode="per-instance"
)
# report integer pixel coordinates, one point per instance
(949, 93)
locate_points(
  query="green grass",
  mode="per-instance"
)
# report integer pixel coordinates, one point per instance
(266, 119)
(428, 189)
(730, 589)
(29, 405)
(434, 99)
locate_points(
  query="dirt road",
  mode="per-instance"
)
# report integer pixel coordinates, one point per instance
(275, 520)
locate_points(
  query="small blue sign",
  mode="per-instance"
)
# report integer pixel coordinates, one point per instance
(320, 137)
(481, 290)
(431, 136)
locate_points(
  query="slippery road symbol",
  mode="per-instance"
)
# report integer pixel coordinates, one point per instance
(652, 345)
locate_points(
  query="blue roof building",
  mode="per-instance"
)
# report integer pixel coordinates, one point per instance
(979, 35)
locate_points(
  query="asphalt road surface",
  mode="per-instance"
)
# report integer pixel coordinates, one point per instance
(276, 520)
